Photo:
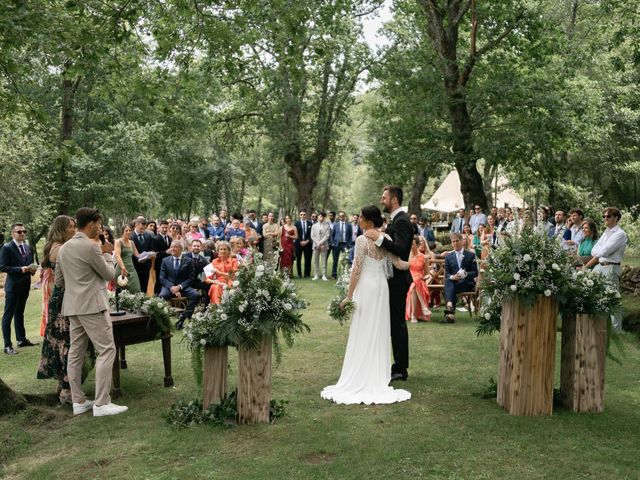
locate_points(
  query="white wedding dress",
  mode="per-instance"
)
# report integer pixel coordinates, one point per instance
(366, 370)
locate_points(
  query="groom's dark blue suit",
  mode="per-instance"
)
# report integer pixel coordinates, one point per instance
(401, 232)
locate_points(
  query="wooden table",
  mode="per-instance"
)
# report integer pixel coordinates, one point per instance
(133, 328)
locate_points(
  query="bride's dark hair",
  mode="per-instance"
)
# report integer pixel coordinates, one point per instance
(373, 214)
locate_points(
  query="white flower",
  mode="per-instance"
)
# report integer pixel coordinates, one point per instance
(241, 308)
(287, 306)
(223, 316)
(260, 268)
(487, 316)
(516, 276)
(526, 257)
(203, 342)
(166, 310)
(513, 288)
(259, 274)
(235, 283)
(547, 293)
(589, 282)
(555, 266)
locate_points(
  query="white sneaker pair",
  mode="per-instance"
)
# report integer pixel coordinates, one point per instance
(98, 411)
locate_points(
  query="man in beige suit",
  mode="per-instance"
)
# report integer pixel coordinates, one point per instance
(84, 267)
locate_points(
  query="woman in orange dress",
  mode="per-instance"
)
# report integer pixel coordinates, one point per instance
(225, 267)
(418, 295)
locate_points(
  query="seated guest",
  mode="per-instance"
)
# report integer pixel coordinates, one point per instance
(417, 305)
(234, 230)
(460, 272)
(216, 230)
(193, 233)
(239, 250)
(209, 250)
(589, 238)
(177, 277)
(199, 262)
(224, 268)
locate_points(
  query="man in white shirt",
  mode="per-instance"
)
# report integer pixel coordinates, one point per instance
(477, 219)
(608, 252)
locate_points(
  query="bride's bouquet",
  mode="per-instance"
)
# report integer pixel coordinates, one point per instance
(334, 310)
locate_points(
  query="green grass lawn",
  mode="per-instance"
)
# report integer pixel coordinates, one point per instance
(446, 431)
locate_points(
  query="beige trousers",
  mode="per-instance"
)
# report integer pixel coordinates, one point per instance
(97, 328)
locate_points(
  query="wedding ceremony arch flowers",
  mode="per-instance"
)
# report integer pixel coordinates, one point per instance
(261, 302)
(525, 266)
(155, 307)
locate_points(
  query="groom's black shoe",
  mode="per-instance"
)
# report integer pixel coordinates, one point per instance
(399, 376)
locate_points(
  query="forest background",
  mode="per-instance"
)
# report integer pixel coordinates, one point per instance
(183, 107)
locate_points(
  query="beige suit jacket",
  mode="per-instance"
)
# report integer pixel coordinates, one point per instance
(83, 271)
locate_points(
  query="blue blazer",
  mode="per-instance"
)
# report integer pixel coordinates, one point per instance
(337, 234)
(11, 262)
(216, 233)
(468, 264)
(184, 277)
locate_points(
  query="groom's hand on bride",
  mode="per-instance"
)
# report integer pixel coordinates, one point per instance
(372, 234)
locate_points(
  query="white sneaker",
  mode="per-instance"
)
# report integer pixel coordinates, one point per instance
(79, 408)
(324, 278)
(315, 278)
(414, 320)
(108, 409)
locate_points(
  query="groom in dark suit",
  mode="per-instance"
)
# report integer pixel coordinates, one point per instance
(460, 273)
(177, 277)
(400, 230)
(15, 259)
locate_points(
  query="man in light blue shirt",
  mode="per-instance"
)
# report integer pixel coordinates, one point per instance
(477, 219)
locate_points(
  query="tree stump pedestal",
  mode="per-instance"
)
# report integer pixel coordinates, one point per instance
(254, 383)
(214, 381)
(584, 339)
(527, 356)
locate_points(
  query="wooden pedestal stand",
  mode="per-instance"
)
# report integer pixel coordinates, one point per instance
(583, 352)
(254, 382)
(527, 356)
(214, 381)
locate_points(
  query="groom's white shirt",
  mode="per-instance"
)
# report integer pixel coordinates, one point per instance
(378, 242)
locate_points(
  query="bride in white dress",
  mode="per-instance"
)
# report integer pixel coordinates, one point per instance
(366, 371)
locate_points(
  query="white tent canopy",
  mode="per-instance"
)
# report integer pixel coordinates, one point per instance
(448, 198)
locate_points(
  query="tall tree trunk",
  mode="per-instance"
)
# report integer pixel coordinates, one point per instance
(10, 401)
(443, 22)
(304, 174)
(69, 88)
(417, 189)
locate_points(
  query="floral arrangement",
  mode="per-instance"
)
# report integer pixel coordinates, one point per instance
(155, 307)
(593, 294)
(334, 310)
(261, 302)
(526, 265)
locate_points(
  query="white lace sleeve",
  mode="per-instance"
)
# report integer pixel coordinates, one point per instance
(358, 260)
(397, 262)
